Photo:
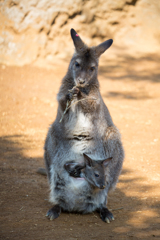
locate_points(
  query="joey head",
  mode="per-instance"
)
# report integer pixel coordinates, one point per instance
(93, 171)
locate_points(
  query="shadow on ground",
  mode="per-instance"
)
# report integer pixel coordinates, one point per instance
(144, 68)
(127, 95)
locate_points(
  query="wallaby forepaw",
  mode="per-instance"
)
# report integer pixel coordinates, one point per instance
(74, 91)
(106, 215)
(54, 212)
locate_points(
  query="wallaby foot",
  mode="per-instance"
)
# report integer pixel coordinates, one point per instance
(106, 215)
(74, 169)
(54, 212)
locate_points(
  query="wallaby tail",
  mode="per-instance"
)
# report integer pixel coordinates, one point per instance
(42, 171)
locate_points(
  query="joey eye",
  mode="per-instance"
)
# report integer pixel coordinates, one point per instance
(92, 69)
(77, 64)
(96, 175)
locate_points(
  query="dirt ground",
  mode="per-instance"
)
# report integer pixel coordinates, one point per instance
(131, 89)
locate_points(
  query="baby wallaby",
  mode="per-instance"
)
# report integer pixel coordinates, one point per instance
(93, 171)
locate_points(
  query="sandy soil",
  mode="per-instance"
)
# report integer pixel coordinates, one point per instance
(131, 90)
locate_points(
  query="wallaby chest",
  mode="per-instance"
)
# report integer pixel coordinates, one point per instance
(79, 123)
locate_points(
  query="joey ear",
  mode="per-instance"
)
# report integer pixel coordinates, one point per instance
(101, 48)
(106, 161)
(88, 160)
(78, 43)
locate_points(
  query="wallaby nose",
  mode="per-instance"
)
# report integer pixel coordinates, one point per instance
(102, 186)
(81, 80)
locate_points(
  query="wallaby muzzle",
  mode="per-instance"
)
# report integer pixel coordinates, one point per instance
(81, 80)
(100, 185)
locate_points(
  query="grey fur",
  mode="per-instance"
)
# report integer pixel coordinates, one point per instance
(87, 127)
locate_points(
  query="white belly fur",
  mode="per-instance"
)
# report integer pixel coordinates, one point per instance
(83, 124)
(78, 124)
(77, 183)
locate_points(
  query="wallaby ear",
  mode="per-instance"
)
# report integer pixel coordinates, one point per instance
(78, 43)
(101, 48)
(88, 160)
(106, 161)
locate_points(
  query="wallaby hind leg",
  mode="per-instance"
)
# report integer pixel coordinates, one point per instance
(54, 212)
(106, 215)
(74, 169)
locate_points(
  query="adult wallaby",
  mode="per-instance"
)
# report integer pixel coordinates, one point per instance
(83, 125)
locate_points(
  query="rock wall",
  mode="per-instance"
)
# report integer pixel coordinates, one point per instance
(34, 31)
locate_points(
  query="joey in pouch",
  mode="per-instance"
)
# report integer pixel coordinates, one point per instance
(92, 170)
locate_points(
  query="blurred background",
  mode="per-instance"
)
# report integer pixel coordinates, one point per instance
(35, 31)
(35, 48)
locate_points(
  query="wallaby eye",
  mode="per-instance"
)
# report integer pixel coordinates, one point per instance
(77, 64)
(96, 175)
(92, 69)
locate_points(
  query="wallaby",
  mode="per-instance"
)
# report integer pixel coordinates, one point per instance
(93, 171)
(83, 125)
